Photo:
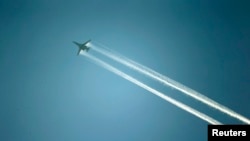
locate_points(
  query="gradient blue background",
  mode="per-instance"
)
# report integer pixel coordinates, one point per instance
(47, 93)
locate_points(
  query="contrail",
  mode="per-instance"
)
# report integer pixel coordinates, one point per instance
(146, 87)
(169, 82)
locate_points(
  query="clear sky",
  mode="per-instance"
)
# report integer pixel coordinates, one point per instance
(47, 93)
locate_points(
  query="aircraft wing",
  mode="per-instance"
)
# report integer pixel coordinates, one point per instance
(86, 42)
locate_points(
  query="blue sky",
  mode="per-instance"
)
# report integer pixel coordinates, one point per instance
(49, 93)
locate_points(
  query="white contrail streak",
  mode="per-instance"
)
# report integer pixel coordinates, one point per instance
(169, 82)
(146, 87)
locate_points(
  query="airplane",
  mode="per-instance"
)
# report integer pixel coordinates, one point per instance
(82, 47)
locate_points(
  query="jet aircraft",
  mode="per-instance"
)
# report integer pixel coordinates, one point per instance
(82, 47)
